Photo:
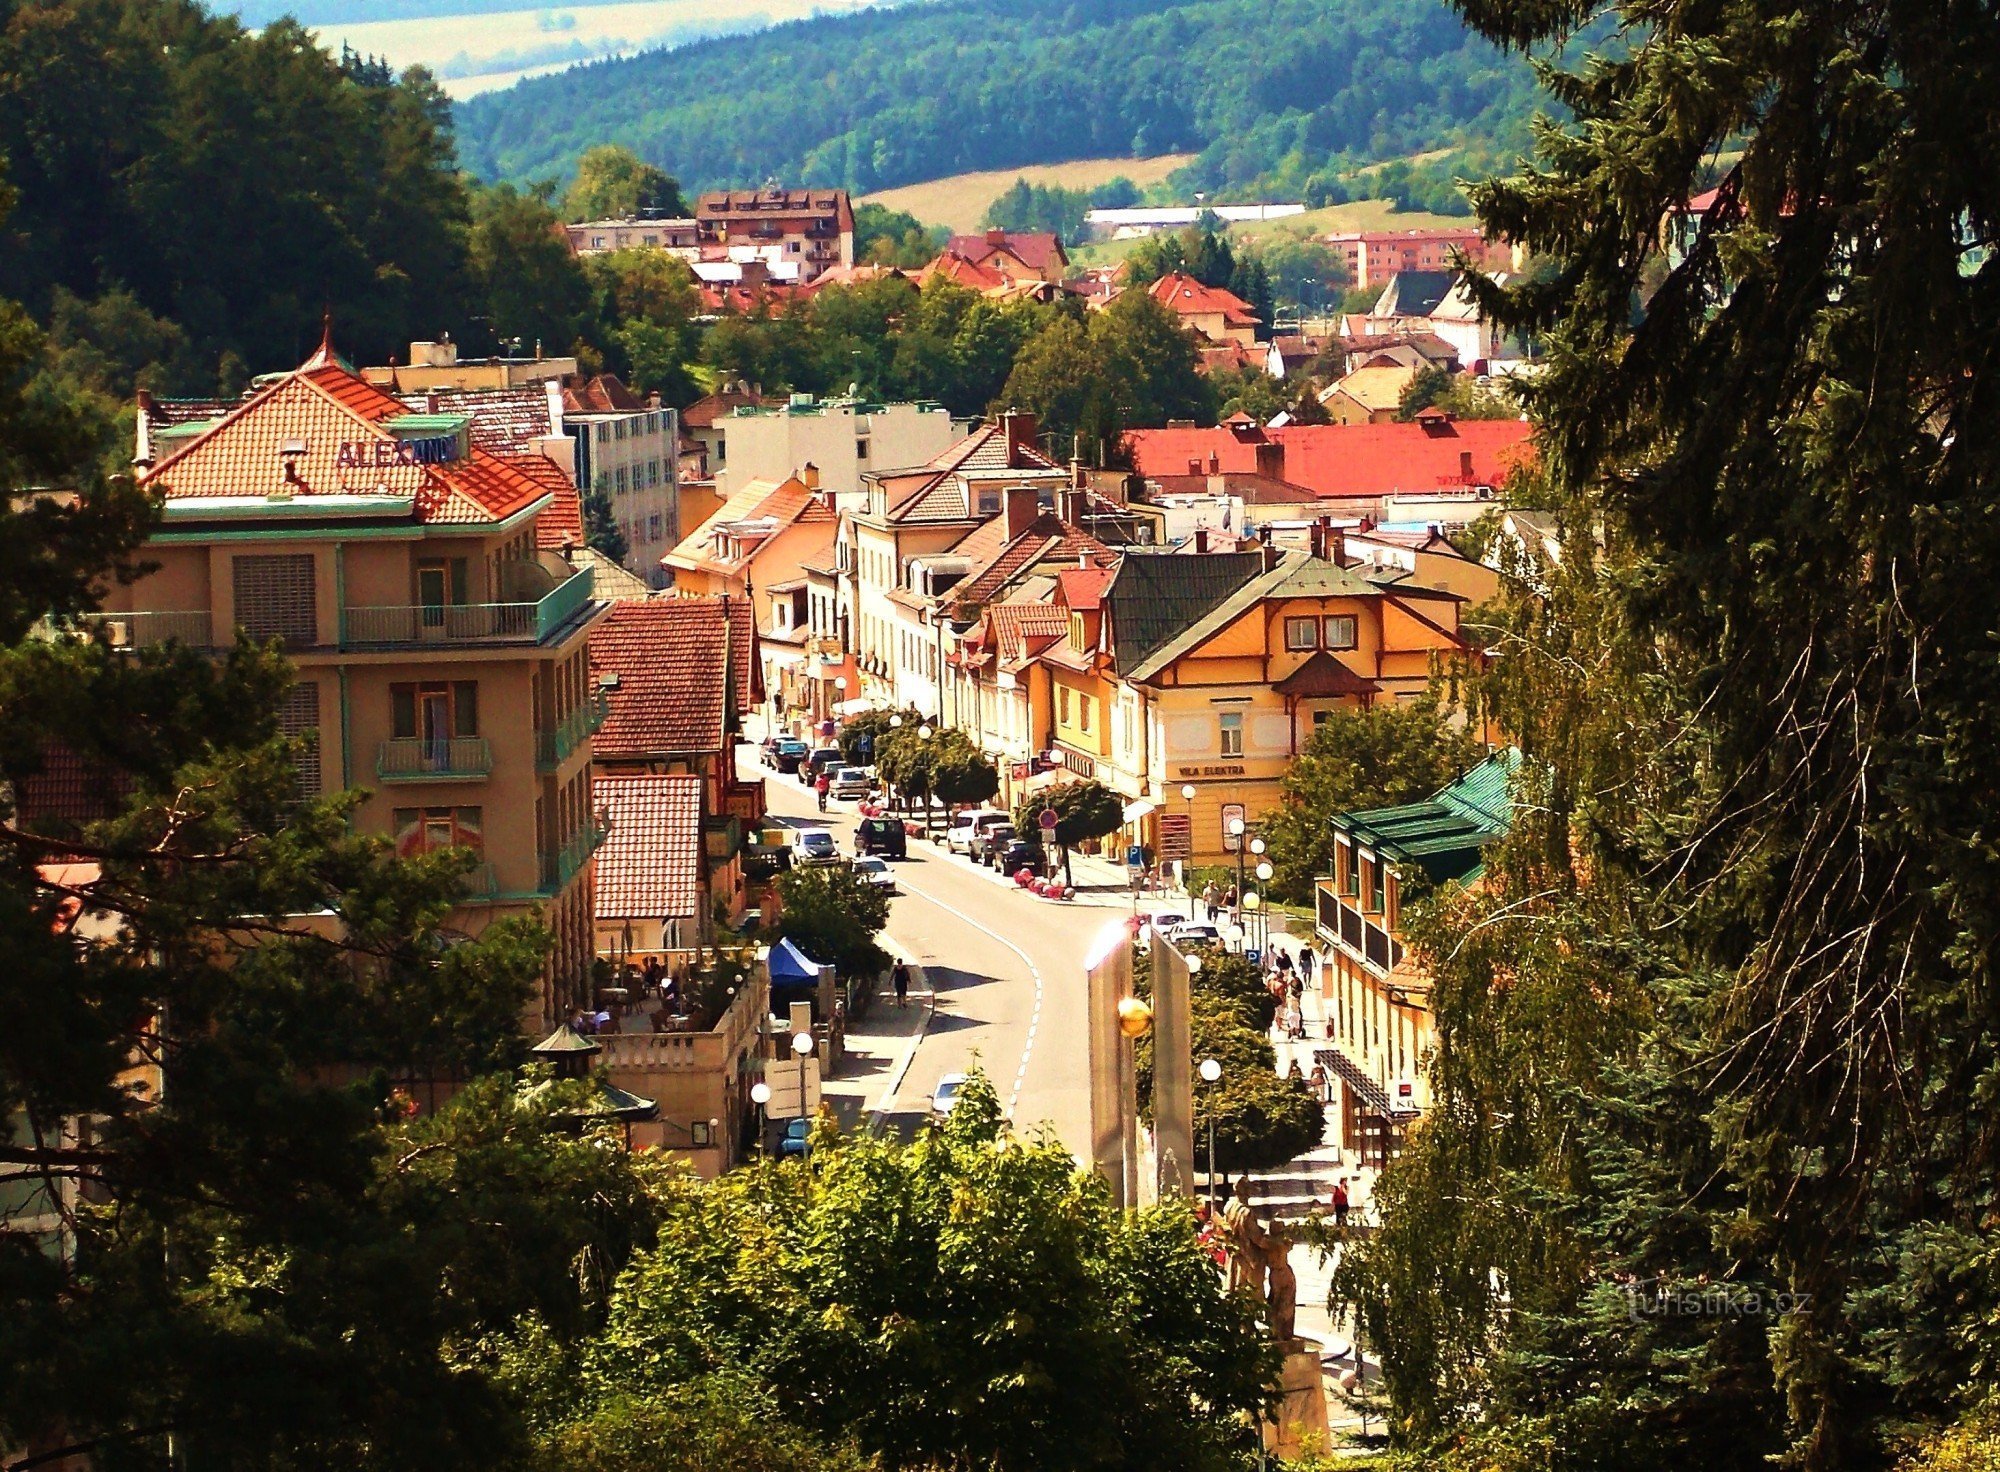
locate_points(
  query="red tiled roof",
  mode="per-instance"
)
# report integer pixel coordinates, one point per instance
(325, 408)
(560, 523)
(703, 412)
(1188, 297)
(669, 655)
(650, 865)
(1348, 459)
(962, 270)
(935, 492)
(1082, 588)
(1023, 630)
(1036, 249)
(503, 420)
(604, 394)
(788, 503)
(67, 790)
(1047, 539)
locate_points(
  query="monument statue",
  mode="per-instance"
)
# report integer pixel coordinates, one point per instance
(1260, 1260)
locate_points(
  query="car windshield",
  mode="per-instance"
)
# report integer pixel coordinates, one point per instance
(817, 840)
(871, 866)
(947, 1090)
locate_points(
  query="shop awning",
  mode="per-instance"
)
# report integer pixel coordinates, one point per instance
(1139, 807)
(853, 707)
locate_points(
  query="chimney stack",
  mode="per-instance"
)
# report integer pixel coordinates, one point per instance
(1201, 539)
(1023, 506)
(1465, 466)
(142, 449)
(996, 236)
(1336, 544)
(1271, 460)
(1019, 427)
(1316, 538)
(810, 475)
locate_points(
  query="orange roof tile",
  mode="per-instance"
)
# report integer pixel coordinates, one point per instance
(1188, 297)
(669, 655)
(650, 865)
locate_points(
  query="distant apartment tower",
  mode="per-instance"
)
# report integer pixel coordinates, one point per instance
(798, 234)
(635, 232)
(628, 450)
(842, 438)
(1373, 256)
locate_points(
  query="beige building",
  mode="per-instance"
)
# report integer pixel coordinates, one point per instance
(439, 650)
(599, 237)
(841, 438)
(438, 365)
(795, 234)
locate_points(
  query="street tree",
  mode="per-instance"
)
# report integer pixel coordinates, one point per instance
(969, 1299)
(834, 916)
(862, 740)
(1084, 810)
(1360, 757)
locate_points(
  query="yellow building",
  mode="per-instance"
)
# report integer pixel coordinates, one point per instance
(1211, 671)
(439, 650)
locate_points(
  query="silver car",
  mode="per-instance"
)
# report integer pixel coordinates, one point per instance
(945, 1095)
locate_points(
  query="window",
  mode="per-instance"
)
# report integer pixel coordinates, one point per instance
(654, 527)
(298, 716)
(621, 480)
(1230, 723)
(1340, 631)
(861, 449)
(649, 240)
(1302, 633)
(989, 503)
(603, 433)
(425, 830)
(1376, 882)
(1062, 704)
(435, 712)
(618, 429)
(277, 597)
(1321, 717)
(1350, 875)
(1084, 707)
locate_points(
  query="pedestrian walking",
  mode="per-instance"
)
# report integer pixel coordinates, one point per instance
(901, 977)
(1341, 1203)
(1208, 898)
(1308, 963)
(1321, 1084)
(1229, 899)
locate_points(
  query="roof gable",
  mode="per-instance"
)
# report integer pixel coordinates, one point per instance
(670, 656)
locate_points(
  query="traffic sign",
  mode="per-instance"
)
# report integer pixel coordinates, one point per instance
(1048, 820)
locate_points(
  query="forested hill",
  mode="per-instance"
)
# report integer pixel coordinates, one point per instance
(1266, 90)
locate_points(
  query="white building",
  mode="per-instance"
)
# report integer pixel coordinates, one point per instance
(844, 438)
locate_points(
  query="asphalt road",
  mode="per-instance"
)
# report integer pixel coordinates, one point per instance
(1008, 969)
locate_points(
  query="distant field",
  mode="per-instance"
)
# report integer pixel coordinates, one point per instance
(477, 52)
(1360, 214)
(959, 202)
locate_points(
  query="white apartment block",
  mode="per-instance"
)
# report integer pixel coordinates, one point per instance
(843, 438)
(632, 458)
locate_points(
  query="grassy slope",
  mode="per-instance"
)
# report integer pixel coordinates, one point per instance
(959, 202)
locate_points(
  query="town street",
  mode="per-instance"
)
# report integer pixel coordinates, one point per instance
(1008, 969)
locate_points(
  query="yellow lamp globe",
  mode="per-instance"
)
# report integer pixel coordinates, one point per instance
(1135, 1018)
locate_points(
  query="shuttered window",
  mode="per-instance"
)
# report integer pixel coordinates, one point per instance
(299, 717)
(276, 597)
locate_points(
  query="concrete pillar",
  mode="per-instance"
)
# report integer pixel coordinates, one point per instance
(1173, 1071)
(1114, 1115)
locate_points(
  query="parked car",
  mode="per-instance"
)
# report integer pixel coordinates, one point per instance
(1182, 937)
(822, 759)
(1016, 855)
(784, 753)
(958, 837)
(884, 837)
(852, 783)
(945, 1095)
(877, 873)
(988, 841)
(816, 846)
(797, 1138)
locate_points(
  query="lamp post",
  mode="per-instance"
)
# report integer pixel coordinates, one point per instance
(1211, 1074)
(760, 1095)
(1236, 832)
(1264, 873)
(1187, 864)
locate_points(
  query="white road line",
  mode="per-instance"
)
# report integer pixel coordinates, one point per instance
(1034, 1018)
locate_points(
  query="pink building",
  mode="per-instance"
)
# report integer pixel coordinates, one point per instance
(1373, 256)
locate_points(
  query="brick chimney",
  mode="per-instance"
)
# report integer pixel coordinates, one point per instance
(810, 475)
(1214, 463)
(1316, 538)
(1019, 427)
(1271, 460)
(1336, 544)
(1023, 507)
(1201, 539)
(996, 236)
(1465, 466)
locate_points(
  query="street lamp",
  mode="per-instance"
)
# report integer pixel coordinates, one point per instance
(895, 723)
(1236, 827)
(1264, 873)
(760, 1095)
(1187, 864)
(1211, 1074)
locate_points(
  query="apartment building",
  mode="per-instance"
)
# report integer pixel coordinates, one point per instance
(440, 649)
(628, 451)
(1378, 997)
(438, 365)
(679, 237)
(796, 234)
(1373, 256)
(842, 439)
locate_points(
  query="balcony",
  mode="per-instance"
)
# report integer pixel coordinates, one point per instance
(137, 630)
(561, 867)
(468, 623)
(434, 759)
(1355, 933)
(552, 748)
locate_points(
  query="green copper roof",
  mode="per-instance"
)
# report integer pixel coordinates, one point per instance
(1444, 834)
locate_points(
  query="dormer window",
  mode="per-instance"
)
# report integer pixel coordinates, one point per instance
(989, 503)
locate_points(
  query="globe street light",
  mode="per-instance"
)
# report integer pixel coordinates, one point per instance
(1187, 864)
(1211, 1074)
(895, 723)
(1264, 873)
(1236, 827)
(760, 1095)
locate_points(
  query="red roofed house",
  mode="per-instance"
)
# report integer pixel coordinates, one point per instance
(1019, 255)
(439, 645)
(1218, 314)
(1436, 469)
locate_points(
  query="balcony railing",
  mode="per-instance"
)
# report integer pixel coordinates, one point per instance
(443, 759)
(1362, 937)
(561, 867)
(469, 623)
(134, 630)
(552, 748)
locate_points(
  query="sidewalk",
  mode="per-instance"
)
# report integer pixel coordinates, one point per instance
(880, 1048)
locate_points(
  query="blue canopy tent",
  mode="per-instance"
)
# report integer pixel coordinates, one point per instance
(795, 977)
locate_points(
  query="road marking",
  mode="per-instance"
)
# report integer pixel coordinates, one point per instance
(1034, 972)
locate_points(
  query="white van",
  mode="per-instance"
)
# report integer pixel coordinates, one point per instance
(958, 837)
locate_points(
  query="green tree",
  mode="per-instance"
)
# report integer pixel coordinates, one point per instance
(886, 237)
(861, 739)
(1362, 757)
(614, 183)
(966, 1300)
(1084, 810)
(533, 291)
(833, 915)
